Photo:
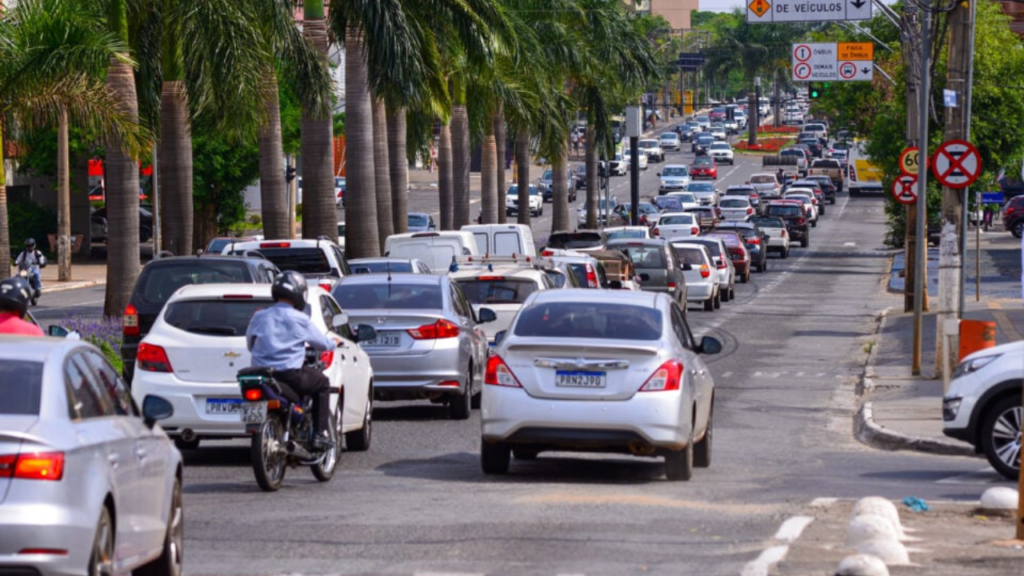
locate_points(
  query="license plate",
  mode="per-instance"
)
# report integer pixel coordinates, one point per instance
(384, 341)
(254, 412)
(580, 379)
(223, 405)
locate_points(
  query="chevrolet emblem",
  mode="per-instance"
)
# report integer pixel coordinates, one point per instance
(231, 355)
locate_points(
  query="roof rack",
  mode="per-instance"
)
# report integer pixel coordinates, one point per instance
(254, 254)
(513, 260)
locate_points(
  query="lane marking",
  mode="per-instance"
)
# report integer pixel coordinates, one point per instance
(763, 563)
(849, 243)
(792, 528)
(982, 477)
(48, 308)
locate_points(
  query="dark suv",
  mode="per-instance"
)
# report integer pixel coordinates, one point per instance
(161, 278)
(1013, 216)
(755, 239)
(792, 213)
(657, 266)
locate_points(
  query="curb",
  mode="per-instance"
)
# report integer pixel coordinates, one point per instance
(866, 430)
(63, 286)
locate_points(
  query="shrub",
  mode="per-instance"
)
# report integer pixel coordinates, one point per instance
(105, 334)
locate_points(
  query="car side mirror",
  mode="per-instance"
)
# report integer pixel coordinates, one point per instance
(686, 266)
(499, 337)
(614, 285)
(710, 345)
(155, 408)
(485, 315)
(57, 331)
(339, 321)
(365, 332)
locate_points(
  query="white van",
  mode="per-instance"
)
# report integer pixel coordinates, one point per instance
(436, 249)
(503, 239)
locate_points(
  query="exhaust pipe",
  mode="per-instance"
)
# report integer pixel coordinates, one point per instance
(297, 451)
(638, 448)
(188, 435)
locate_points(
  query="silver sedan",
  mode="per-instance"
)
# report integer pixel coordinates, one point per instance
(429, 343)
(88, 485)
(577, 371)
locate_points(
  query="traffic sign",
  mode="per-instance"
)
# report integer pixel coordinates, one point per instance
(904, 189)
(814, 62)
(768, 11)
(956, 164)
(856, 61)
(910, 160)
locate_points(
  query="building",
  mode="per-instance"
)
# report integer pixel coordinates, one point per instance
(1015, 10)
(677, 12)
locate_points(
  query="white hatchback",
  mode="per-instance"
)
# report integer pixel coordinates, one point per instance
(193, 353)
(675, 225)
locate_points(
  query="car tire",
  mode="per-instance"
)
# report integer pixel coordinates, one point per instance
(494, 457)
(359, 440)
(459, 406)
(832, 201)
(523, 454)
(1017, 229)
(745, 278)
(726, 296)
(101, 561)
(822, 209)
(1000, 419)
(183, 445)
(709, 304)
(805, 242)
(718, 300)
(145, 234)
(702, 451)
(814, 223)
(679, 465)
(785, 253)
(169, 563)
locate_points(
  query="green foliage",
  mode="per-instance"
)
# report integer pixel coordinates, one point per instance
(30, 220)
(339, 124)
(221, 170)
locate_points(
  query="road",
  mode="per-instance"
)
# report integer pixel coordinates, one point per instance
(417, 503)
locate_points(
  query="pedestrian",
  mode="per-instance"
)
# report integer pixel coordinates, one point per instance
(989, 212)
(576, 142)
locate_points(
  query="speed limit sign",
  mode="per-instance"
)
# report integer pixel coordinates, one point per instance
(910, 160)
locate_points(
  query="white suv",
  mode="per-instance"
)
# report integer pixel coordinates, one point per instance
(651, 148)
(321, 261)
(501, 285)
(983, 405)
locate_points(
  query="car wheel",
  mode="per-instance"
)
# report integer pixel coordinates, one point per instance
(101, 561)
(745, 278)
(494, 457)
(1001, 435)
(709, 304)
(822, 209)
(679, 465)
(170, 561)
(718, 300)
(785, 252)
(359, 440)
(189, 445)
(726, 294)
(805, 242)
(459, 406)
(145, 233)
(1018, 229)
(832, 201)
(814, 223)
(702, 451)
(522, 454)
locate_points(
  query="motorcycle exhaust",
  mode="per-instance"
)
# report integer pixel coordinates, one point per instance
(297, 451)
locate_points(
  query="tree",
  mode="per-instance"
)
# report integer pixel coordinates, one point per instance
(317, 141)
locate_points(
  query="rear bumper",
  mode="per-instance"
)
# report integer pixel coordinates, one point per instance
(189, 401)
(48, 527)
(401, 377)
(699, 291)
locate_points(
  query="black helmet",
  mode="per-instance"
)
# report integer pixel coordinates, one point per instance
(30, 243)
(290, 285)
(15, 294)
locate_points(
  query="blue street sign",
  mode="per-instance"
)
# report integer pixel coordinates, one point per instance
(992, 198)
(949, 98)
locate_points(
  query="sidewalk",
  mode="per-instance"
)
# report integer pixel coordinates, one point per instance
(902, 412)
(82, 276)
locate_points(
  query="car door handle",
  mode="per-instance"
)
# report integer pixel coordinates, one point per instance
(114, 460)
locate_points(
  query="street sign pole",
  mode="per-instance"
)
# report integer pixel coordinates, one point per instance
(922, 190)
(634, 123)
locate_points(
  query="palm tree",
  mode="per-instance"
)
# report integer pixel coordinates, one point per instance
(399, 168)
(382, 171)
(317, 151)
(444, 176)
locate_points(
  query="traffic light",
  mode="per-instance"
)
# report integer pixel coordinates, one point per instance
(289, 174)
(813, 91)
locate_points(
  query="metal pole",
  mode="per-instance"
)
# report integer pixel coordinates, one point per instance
(634, 179)
(968, 91)
(977, 257)
(922, 188)
(157, 237)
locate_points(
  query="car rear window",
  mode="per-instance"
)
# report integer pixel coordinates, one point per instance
(575, 240)
(589, 320)
(688, 255)
(733, 203)
(157, 283)
(497, 291)
(557, 278)
(677, 219)
(301, 260)
(729, 239)
(763, 179)
(784, 211)
(214, 317)
(417, 220)
(392, 295)
(21, 387)
(380, 267)
(770, 223)
(644, 256)
(713, 248)
(627, 234)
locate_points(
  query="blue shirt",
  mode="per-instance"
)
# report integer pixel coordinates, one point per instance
(277, 337)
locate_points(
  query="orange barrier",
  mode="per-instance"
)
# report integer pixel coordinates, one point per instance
(976, 335)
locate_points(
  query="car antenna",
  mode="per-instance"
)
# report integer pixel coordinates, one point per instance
(387, 264)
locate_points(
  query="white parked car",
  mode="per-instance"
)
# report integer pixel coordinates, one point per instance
(579, 371)
(722, 153)
(618, 166)
(735, 208)
(673, 177)
(983, 405)
(702, 282)
(192, 355)
(670, 141)
(651, 148)
(675, 225)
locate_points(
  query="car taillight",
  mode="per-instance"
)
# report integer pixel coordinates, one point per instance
(438, 330)
(546, 253)
(253, 394)
(671, 286)
(130, 321)
(327, 358)
(591, 276)
(754, 196)
(152, 358)
(667, 377)
(783, 235)
(750, 210)
(1009, 210)
(33, 466)
(754, 241)
(655, 232)
(327, 287)
(704, 271)
(800, 221)
(499, 374)
(694, 230)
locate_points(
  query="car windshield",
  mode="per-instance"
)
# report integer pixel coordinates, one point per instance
(601, 204)
(214, 317)
(713, 248)
(674, 171)
(547, 175)
(389, 295)
(647, 143)
(688, 255)
(380, 267)
(700, 187)
(574, 240)
(669, 203)
(216, 246)
(21, 387)
(784, 211)
(499, 290)
(703, 162)
(627, 234)
(720, 146)
(703, 119)
(645, 256)
(513, 190)
(418, 220)
(669, 136)
(302, 260)
(792, 152)
(600, 320)
(687, 197)
(157, 283)
(676, 219)
(739, 191)
(763, 179)
(705, 138)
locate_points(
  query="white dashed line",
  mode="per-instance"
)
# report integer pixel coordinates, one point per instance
(792, 528)
(768, 558)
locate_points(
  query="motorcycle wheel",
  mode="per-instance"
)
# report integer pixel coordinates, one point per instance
(269, 459)
(324, 470)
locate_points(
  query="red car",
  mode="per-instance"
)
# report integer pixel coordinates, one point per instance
(704, 167)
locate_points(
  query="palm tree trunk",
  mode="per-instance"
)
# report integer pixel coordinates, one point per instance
(445, 188)
(488, 177)
(382, 171)
(5, 228)
(560, 191)
(175, 157)
(593, 180)
(362, 239)
(460, 166)
(273, 200)
(63, 199)
(397, 157)
(523, 176)
(498, 121)
(318, 208)
(122, 183)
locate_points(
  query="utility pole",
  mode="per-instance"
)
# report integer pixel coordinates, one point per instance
(909, 26)
(922, 188)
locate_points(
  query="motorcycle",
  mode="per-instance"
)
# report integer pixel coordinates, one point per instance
(280, 422)
(25, 272)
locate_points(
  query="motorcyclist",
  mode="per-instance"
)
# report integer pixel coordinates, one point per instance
(15, 294)
(32, 260)
(277, 337)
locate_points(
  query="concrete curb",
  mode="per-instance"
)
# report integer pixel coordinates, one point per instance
(61, 287)
(867, 431)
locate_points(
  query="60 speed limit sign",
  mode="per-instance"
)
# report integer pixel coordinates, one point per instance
(910, 161)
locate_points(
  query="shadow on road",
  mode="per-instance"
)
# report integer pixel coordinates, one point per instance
(409, 412)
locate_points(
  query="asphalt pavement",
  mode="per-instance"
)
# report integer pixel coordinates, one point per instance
(796, 341)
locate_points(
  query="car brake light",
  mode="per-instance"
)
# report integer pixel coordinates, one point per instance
(667, 377)
(499, 374)
(327, 358)
(42, 552)
(253, 394)
(754, 241)
(491, 278)
(800, 221)
(130, 321)
(591, 276)
(655, 232)
(704, 271)
(1009, 210)
(33, 466)
(236, 297)
(152, 358)
(275, 245)
(694, 230)
(783, 233)
(750, 210)
(438, 330)
(720, 264)
(327, 287)
(546, 253)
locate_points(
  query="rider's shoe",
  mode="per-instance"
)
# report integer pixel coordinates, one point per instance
(322, 441)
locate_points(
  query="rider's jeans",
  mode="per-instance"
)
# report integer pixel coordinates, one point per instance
(36, 279)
